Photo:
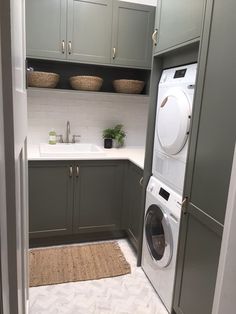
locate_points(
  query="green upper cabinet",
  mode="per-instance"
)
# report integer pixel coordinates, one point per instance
(98, 196)
(132, 33)
(107, 32)
(89, 25)
(46, 29)
(180, 22)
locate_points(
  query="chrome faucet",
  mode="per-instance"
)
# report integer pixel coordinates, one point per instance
(67, 132)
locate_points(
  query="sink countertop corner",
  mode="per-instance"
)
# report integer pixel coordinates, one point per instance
(135, 154)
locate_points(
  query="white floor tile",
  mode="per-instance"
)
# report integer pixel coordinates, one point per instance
(129, 294)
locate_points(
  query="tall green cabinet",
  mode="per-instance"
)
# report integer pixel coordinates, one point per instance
(209, 165)
(178, 22)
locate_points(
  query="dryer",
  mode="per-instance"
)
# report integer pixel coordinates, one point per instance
(173, 120)
(160, 238)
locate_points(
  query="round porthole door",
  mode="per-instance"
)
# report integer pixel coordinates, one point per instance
(173, 121)
(158, 236)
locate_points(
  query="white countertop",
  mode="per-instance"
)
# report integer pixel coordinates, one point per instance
(135, 154)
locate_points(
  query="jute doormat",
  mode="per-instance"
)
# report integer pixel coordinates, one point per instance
(76, 263)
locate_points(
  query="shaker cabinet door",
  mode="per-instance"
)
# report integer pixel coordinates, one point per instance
(200, 242)
(132, 34)
(133, 204)
(46, 29)
(89, 26)
(180, 22)
(98, 196)
(50, 199)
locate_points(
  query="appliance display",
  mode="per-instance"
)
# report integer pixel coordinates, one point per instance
(160, 239)
(173, 120)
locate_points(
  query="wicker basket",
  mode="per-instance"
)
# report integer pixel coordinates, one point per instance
(89, 83)
(42, 79)
(128, 86)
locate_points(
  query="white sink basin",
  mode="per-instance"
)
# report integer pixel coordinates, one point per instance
(67, 150)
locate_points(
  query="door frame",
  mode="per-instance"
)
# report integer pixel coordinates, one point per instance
(4, 286)
(13, 279)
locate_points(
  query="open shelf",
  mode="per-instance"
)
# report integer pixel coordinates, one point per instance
(108, 73)
(87, 95)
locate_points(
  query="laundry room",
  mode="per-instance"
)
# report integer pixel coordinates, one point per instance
(118, 160)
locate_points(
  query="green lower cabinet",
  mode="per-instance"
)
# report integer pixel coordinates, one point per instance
(133, 198)
(50, 199)
(70, 197)
(199, 251)
(98, 196)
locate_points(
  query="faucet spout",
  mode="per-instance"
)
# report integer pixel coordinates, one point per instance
(68, 132)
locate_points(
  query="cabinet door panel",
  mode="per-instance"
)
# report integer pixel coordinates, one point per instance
(50, 199)
(89, 30)
(98, 197)
(132, 31)
(45, 28)
(134, 201)
(180, 22)
(200, 246)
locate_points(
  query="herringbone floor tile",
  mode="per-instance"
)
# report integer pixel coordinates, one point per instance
(129, 294)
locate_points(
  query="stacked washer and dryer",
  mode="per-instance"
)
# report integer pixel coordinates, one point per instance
(165, 189)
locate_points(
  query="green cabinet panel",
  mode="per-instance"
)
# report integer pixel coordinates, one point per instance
(98, 196)
(217, 128)
(197, 271)
(89, 26)
(132, 34)
(46, 28)
(50, 199)
(180, 22)
(133, 202)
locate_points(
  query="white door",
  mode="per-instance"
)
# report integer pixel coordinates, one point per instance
(173, 121)
(15, 134)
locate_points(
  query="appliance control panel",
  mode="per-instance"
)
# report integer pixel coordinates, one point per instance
(182, 74)
(165, 195)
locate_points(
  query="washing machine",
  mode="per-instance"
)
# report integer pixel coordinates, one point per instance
(160, 238)
(173, 120)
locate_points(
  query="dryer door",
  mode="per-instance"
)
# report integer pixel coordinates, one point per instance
(158, 236)
(173, 121)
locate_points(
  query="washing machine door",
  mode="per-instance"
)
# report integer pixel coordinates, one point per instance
(173, 121)
(158, 236)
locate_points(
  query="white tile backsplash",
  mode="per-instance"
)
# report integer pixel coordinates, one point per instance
(88, 113)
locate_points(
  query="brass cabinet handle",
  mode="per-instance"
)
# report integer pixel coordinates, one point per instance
(184, 205)
(164, 102)
(70, 171)
(69, 47)
(114, 53)
(63, 46)
(77, 171)
(141, 181)
(154, 37)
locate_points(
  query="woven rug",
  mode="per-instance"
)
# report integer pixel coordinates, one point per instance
(76, 263)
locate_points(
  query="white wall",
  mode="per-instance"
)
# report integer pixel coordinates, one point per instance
(89, 114)
(147, 2)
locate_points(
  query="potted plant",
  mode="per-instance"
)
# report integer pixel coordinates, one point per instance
(119, 135)
(108, 135)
